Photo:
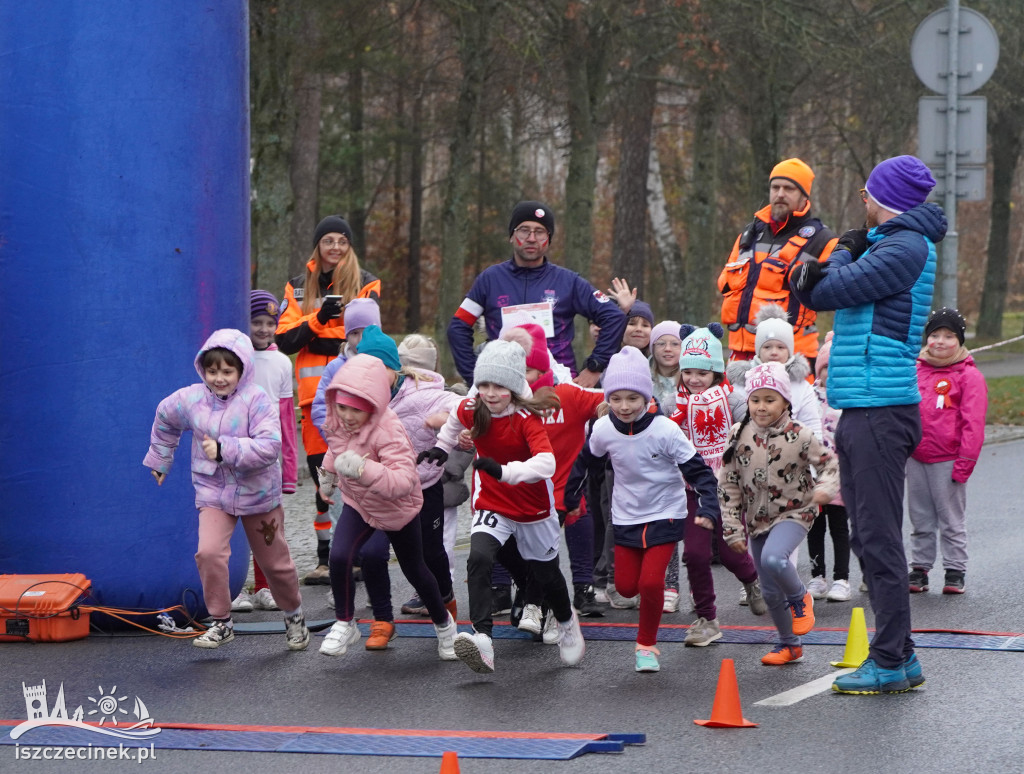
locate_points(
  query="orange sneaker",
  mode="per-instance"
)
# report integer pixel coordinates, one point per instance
(381, 633)
(803, 615)
(783, 654)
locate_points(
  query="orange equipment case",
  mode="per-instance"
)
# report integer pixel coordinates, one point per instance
(43, 607)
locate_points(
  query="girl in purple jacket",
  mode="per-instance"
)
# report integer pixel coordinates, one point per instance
(954, 400)
(236, 442)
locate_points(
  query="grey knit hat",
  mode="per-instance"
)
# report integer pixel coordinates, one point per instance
(503, 363)
(628, 370)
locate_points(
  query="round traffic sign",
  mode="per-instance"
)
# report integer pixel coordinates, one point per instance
(978, 51)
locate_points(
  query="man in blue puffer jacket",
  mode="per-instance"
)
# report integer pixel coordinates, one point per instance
(880, 282)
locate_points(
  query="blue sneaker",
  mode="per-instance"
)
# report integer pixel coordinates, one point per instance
(871, 678)
(647, 659)
(912, 668)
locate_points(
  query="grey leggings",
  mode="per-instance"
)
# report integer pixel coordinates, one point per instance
(780, 582)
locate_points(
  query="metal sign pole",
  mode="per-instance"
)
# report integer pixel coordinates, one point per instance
(948, 264)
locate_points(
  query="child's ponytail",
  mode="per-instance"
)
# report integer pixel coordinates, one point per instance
(727, 456)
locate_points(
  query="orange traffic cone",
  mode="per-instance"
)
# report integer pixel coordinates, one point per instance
(450, 763)
(726, 711)
(856, 641)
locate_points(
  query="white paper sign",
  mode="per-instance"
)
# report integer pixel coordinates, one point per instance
(540, 313)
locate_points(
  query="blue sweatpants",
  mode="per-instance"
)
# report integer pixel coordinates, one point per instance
(873, 446)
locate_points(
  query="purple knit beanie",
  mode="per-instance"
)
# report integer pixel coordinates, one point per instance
(641, 309)
(628, 369)
(900, 183)
(263, 302)
(361, 313)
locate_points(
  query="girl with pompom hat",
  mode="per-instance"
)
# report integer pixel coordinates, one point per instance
(705, 418)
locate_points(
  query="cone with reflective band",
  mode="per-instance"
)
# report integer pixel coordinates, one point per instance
(726, 711)
(856, 641)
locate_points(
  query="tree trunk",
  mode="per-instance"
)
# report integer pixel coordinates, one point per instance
(273, 120)
(703, 251)
(670, 256)
(355, 175)
(474, 25)
(1005, 133)
(305, 169)
(629, 240)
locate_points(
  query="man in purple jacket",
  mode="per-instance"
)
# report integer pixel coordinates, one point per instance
(550, 295)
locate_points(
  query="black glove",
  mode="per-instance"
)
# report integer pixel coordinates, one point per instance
(436, 456)
(489, 466)
(330, 310)
(805, 275)
(855, 240)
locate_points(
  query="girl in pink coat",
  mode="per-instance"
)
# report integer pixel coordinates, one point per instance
(954, 401)
(372, 463)
(236, 443)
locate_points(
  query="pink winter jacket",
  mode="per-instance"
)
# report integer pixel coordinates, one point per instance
(956, 431)
(245, 424)
(388, 494)
(414, 402)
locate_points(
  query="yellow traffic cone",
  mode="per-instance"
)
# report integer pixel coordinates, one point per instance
(856, 641)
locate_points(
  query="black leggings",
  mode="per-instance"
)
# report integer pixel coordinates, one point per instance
(483, 550)
(839, 527)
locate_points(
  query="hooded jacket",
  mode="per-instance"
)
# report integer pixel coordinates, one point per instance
(954, 401)
(882, 300)
(246, 426)
(387, 494)
(413, 403)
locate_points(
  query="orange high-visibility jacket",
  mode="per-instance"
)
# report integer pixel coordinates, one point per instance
(316, 343)
(758, 273)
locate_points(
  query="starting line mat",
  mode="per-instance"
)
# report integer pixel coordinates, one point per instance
(346, 741)
(731, 635)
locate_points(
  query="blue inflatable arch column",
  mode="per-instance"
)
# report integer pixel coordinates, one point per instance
(124, 241)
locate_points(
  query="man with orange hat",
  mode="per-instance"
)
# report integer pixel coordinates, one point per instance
(782, 234)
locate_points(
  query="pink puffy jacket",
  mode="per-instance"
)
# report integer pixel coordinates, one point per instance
(956, 431)
(245, 424)
(387, 494)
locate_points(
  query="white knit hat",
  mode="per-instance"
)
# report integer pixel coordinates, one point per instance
(773, 325)
(503, 363)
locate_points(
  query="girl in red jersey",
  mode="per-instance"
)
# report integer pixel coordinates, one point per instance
(512, 495)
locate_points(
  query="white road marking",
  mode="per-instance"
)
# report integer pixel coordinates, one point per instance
(801, 692)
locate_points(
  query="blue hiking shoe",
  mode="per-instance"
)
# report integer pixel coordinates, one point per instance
(871, 678)
(912, 668)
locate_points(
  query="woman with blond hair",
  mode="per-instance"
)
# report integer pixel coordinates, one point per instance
(312, 327)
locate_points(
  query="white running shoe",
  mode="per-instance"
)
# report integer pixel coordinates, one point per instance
(601, 595)
(551, 635)
(744, 597)
(476, 651)
(570, 645)
(817, 588)
(840, 591)
(242, 603)
(264, 600)
(671, 601)
(530, 621)
(295, 631)
(446, 639)
(341, 635)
